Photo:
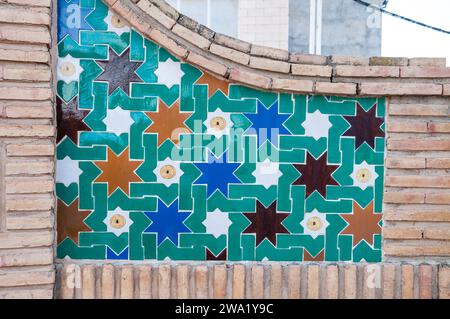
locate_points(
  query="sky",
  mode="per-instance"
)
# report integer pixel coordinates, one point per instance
(404, 39)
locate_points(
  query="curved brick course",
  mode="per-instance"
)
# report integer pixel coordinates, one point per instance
(276, 69)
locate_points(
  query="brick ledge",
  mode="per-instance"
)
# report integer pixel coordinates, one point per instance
(274, 69)
(253, 280)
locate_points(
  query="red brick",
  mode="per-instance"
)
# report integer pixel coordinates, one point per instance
(418, 181)
(434, 62)
(335, 88)
(419, 109)
(424, 72)
(438, 163)
(191, 36)
(425, 282)
(250, 78)
(311, 70)
(220, 281)
(269, 65)
(405, 162)
(398, 232)
(230, 54)
(294, 85)
(415, 144)
(395, 88)
(208, 64)
(407, 281)
(201, 282)
(367, 71)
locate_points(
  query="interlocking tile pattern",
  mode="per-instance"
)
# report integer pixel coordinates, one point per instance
(157, 160)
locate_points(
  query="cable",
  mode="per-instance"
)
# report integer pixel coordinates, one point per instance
(381, 9)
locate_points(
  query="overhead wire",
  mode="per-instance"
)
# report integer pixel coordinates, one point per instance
(383, 10)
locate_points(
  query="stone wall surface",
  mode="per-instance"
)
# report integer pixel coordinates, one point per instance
(27, 132)
(416, 214)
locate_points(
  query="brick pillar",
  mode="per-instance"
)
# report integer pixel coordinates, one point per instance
(26, 150)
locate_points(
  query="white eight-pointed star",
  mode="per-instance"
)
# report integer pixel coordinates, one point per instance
(217, 223)
(314, 224)
(364, 175)
(316, 125)
(267, 173)
(67, 171)
(218, 123)
(68, 69)
(169, 73)
(118, 121)
(168, 172)
(116, 24)
(118, 221)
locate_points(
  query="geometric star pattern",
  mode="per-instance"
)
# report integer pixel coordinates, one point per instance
(118, 171)
(119, 71)
(364, 126)
(265, 223)
(70, 221)
(70, 119)
(316, 174)
(161, 160)
(363, 223)
(168, 122)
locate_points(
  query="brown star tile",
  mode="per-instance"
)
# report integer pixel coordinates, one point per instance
(266, 223)
(70, 221)
(118, 171)
(362, 224)
(168, 122)
(316, 174)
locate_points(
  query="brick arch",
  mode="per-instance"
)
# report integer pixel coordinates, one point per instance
(274, 69)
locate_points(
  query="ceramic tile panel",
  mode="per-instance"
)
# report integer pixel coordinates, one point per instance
(158, 160)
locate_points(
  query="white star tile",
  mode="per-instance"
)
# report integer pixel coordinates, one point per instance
(316, 125)
(215, 130)
(314, 224)
(176, 172)
(67, 171)
(364, 175)
(118, 121)
(68, 69)
(169, 73)
(116, 24)
(118, 221)
(217, 223)
(267, 173)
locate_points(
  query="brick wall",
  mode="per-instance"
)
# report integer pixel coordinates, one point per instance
(417, 183)
(26, 150)
(264, 22)
(255, 280)
(417, 203)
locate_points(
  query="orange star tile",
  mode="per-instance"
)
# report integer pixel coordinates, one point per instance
(168, 122)
(118, 171)
(362, 224)
(214, 84)
(70, 221)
